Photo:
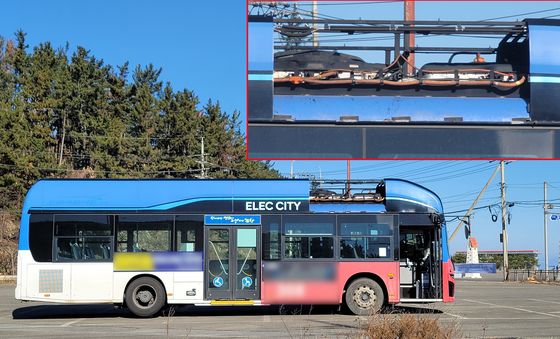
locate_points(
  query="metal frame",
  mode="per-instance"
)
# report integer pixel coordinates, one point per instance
(486, 50)
(112, 237)
(233, 293)
(435, 233)
(403, 28)
(416, 26)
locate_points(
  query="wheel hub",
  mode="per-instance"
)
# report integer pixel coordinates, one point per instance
(364, 297)
(144, 296)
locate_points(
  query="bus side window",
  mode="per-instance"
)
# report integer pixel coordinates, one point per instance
(41, 237)
(82, 237)
(189, 233)
(143, 233)
(365, 236)
(271, 237)
(308, 236)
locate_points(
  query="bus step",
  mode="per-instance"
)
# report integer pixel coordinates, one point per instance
(231, 302)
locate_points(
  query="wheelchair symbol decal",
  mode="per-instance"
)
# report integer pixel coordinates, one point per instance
(247, 281)
(218, 282)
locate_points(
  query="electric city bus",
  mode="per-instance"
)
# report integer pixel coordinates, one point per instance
(145, 244)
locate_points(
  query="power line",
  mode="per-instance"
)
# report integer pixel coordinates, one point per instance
(386, 165)
(128, 172)
(523, 14)
(342, 3)
(434, 168)
(455, 173)
(474, 209)
(470, 200)
(465, 193)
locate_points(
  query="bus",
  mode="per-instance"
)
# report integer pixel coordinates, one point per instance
(149, 244)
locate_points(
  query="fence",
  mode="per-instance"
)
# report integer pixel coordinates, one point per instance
(537, 275)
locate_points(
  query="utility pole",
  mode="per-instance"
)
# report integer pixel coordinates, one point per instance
(473, 205)
(348, 178)
(409, 15)
(202, 160)
(504, 230)
(545, 208)
(315, 37)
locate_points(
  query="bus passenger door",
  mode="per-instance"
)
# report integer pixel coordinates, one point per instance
(232, 262)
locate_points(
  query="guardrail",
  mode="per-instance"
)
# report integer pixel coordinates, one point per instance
(535, 275)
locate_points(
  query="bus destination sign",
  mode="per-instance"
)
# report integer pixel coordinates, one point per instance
(230, 220)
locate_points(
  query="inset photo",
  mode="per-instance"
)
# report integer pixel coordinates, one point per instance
(403, 80)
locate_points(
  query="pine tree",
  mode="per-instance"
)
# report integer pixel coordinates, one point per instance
(65, 114)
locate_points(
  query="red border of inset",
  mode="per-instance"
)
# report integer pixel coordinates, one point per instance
(247, 2)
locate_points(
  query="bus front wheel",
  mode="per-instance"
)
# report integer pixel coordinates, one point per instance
(145, 297)
(364, 297)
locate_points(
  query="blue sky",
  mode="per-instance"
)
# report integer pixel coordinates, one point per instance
(201, 46)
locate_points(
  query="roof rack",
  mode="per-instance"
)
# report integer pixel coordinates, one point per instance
(340, 190)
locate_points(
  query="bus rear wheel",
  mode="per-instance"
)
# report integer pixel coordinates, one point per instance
(145, 297)
(364, 297)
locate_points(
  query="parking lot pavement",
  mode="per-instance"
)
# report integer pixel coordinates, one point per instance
(483, 308)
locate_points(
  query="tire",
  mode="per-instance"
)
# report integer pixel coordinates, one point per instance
(145, 297)
(364, 297)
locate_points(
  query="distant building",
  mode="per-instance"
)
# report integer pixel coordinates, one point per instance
(518, 259)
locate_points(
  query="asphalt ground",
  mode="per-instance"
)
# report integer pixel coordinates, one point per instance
(484, 308)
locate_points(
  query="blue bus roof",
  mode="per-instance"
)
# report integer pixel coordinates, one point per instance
(153, 195)
(163, 194)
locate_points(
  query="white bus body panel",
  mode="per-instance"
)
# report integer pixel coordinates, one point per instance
(189, 288)
(90, 282)
(63, 282)
(19, 277)
(42, 281)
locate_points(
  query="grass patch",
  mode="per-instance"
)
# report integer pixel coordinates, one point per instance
(408, 326)
(8, 280)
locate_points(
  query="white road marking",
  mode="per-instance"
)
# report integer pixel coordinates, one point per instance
(455, 315)
(528, 319)
(71, 322)
(545, 301)
(512, 308)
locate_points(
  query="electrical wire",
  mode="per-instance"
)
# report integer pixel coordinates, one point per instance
(355, 39)
(453, 202)
(343, 3)
(457, 176)
(473, 192)
(475, 209)
(434, 168)
(390, 164)
(523, 14)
